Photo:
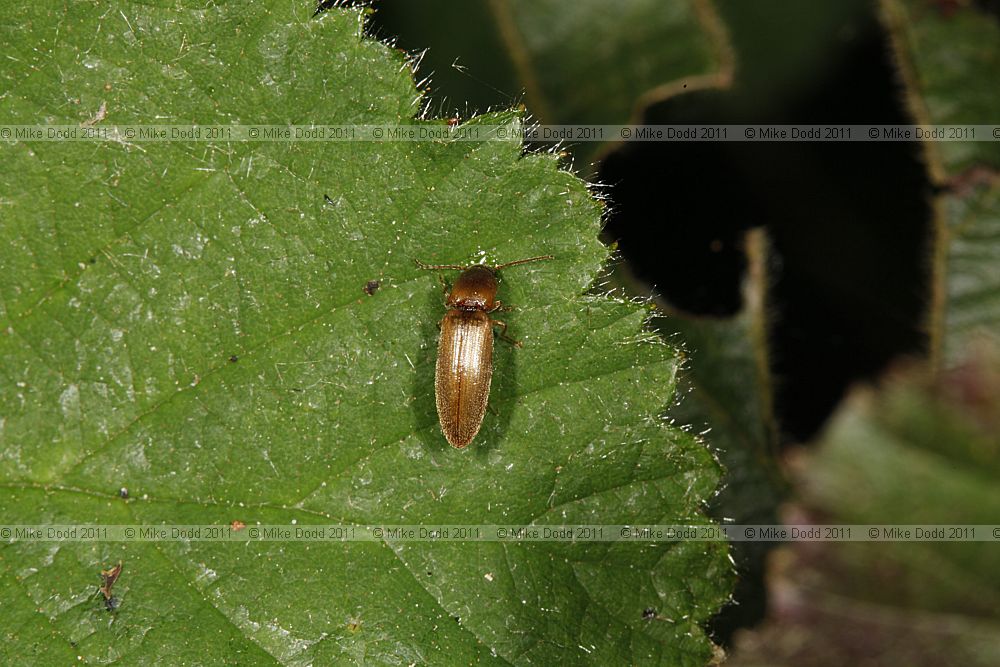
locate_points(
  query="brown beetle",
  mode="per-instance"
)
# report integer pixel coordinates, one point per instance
(465, 350)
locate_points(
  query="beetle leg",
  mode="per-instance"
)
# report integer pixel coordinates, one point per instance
(499, 306)
(445, 287)
(503, 334)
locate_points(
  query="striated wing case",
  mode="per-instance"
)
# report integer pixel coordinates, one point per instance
(464, 372)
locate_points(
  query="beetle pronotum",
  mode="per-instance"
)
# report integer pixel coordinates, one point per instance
(465, 351)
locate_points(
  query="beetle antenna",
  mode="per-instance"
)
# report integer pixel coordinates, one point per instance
(440, 267)
(522, 261)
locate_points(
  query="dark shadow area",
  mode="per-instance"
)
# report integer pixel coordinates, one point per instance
(849, 224)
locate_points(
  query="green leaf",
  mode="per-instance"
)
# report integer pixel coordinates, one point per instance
(189, 321)
(966, 278)
(947, 60)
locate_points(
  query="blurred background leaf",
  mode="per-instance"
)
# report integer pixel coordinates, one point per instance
(947, 55)
(920, 449)
(921, 446)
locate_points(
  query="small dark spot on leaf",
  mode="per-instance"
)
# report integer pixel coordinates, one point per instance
(648, 613)
(123, 493)
(93, 260)
(326, 198)
(371, 287)
(233, 359)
